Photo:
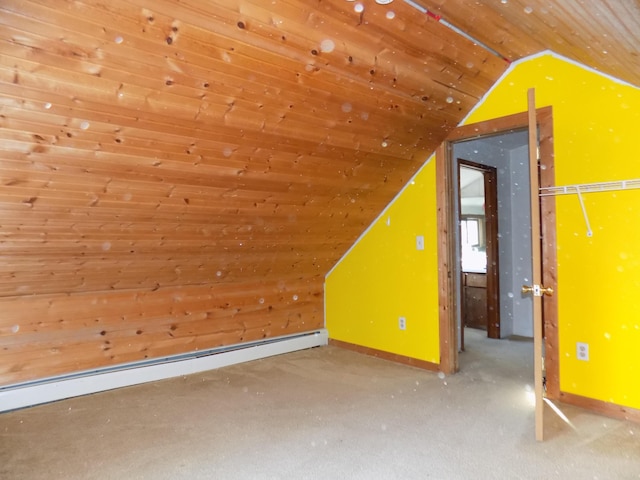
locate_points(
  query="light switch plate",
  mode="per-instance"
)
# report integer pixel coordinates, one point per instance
(420, 242)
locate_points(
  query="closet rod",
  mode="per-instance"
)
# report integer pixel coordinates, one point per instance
(590, 188)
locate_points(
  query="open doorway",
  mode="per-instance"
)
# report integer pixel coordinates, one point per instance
(493, 195)
(500, 134)
(479, 256)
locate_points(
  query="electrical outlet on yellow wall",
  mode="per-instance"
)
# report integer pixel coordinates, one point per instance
(402, 323)
(582, 350)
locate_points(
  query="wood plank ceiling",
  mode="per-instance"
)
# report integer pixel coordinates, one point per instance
(602, 34)
(180, 175)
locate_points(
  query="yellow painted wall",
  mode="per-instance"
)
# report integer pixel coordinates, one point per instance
(385, 277)
(596, 139)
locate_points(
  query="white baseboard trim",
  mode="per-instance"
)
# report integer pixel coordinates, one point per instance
(52, 389)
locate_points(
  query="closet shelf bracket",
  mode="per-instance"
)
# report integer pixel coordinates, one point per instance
(579, 190)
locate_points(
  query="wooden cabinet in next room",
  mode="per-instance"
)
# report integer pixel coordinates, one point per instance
(474, 300)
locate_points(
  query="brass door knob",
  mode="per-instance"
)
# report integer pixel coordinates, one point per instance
(537, 290)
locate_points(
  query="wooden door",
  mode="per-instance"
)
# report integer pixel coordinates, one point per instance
(536, 289)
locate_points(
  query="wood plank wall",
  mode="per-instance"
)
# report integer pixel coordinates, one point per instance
(176, 176)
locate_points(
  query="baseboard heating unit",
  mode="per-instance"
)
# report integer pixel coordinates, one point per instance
(47, 390)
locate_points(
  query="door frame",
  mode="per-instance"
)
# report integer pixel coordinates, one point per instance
(446, 240)
(490, 177)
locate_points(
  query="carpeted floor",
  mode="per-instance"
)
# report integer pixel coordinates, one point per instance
(323, 413)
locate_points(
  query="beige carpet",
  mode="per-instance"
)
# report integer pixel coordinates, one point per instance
(323, 413)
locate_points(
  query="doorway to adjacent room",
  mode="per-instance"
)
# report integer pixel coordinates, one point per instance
(502, 144)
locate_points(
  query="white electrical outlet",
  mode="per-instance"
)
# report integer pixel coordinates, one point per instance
(402, 323)
(420, 242)
(582, 351)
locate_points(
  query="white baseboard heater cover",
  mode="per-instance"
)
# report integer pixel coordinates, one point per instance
(28, 394)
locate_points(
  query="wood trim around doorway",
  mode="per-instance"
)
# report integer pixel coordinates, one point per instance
(549, 253)
(447, 297)
(446, 261)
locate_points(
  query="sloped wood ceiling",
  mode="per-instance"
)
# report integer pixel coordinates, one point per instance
(602, 34)
(180, 175)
